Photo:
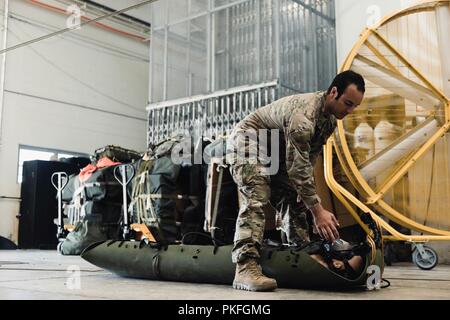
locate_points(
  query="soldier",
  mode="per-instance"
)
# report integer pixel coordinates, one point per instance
(304, 123)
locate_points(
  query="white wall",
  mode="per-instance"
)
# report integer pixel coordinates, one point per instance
(75, 92)
(353, 16)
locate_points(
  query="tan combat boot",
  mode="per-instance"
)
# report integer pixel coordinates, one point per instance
(249, 277)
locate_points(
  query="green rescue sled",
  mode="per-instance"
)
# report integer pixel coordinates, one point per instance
(291, 267)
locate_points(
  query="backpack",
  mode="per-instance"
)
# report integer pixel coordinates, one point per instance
(94, 207)
(91, 228)
(116, 154)
(166, 195)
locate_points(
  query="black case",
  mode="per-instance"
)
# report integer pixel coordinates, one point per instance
(39, 206)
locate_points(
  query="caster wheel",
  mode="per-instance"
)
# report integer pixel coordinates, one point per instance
(426, 261)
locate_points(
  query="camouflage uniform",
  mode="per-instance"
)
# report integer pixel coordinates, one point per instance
(303, 129)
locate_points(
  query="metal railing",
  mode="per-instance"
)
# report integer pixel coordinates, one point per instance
(209, 115)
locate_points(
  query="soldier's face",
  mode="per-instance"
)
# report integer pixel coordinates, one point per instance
(346, 103)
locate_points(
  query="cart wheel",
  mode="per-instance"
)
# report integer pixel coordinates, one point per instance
(427, 262)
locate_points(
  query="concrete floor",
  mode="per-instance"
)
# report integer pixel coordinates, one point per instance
(35, 274)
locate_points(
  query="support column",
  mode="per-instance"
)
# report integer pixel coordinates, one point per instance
(277, 14)
(3, 63)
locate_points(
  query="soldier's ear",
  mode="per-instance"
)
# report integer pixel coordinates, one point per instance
(334, 93)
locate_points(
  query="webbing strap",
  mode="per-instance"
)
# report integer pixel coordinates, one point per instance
(84, 186)
(155, 266)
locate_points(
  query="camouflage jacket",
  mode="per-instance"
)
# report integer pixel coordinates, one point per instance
(304, 129)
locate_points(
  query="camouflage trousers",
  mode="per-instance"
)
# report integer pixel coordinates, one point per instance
(256, 190)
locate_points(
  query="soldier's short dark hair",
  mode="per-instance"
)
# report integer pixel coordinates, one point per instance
(346, 78)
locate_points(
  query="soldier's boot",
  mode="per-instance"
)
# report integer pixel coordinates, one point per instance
(249, 277)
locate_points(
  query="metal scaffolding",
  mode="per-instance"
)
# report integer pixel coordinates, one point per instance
(202, 47)
(210, 115)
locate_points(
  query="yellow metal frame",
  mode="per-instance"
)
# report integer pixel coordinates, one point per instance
(381, 57)
(345, 196)
(409, 65)
(381, 205)
(373, 197)
(398, 174)
(398, 76)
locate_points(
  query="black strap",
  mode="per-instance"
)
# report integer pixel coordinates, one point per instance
(197, 234)
(155, 266)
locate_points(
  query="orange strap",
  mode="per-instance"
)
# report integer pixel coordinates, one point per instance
(87, 171)
(144, 230)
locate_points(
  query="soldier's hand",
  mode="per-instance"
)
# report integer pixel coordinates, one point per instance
(325, 223)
